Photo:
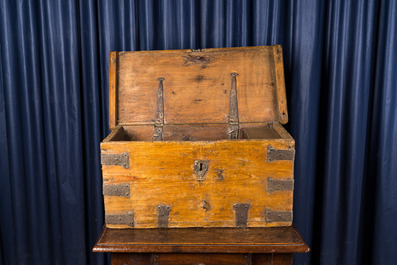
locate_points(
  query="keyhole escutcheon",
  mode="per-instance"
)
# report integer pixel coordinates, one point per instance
(200, 169)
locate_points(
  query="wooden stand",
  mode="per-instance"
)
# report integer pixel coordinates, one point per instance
(201, 246)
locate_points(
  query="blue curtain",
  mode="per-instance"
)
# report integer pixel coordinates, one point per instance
(341, 75)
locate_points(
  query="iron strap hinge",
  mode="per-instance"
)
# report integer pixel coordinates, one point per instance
(159, 119)
(241, 210)
(233, 130)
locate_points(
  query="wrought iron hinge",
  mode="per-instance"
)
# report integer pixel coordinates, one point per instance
(241, 210)
(233, 109)
(123, 219)
(159, 119)
(279, 184)
(116, 159)
(163, 213)
(279, 154)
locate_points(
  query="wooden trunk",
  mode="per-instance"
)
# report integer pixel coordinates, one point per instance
(196, 140)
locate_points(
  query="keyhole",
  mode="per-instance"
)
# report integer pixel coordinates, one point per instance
(200, 168)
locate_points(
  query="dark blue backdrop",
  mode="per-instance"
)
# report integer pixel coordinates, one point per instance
(341, 70)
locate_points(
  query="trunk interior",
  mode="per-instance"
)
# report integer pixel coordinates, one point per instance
(193, 132)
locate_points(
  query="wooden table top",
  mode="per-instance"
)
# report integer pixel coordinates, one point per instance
(199, 240)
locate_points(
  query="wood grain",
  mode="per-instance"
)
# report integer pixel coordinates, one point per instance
(196, 107)
(162, 173)
(113, 91)
(280, 84)
(197, 85)
(282, 259)
(201, 132)
(130, 259)
(117, 134)
(262, 259)
(200, 259)
(262, 132)
(202, 240)
(180, 132)
(281, 131)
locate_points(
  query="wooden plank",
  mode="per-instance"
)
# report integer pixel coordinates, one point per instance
(197, 85)
(195, 132)
(117, 134)
(113, 91)
(207, 259)
(180, 132)
(282, 259)
(129, 258)
(280, 84)
(282, 131)
(162, 173)
(264, 132)
(208, 240)
(262, 259)
(203, 132)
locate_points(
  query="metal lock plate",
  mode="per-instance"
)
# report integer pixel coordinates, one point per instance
(116, 159)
